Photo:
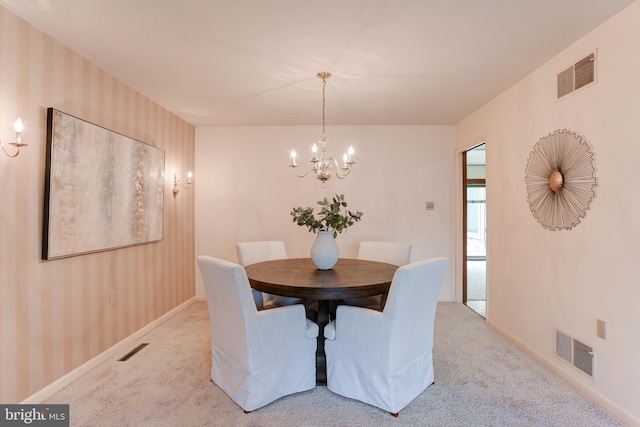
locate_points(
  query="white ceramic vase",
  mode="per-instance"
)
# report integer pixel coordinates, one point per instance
(325, 251)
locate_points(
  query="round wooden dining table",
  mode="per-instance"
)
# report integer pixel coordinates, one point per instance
(299, 277)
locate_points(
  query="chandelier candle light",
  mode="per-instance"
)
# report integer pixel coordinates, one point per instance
(323, 164)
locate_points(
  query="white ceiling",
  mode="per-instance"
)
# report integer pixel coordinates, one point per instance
(254, 62)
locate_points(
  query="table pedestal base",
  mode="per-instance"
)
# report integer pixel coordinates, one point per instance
(321, 358)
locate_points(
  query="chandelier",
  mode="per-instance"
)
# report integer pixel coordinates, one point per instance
(322, 165)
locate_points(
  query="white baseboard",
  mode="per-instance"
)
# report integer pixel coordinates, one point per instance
(119, 348)
(614, 409)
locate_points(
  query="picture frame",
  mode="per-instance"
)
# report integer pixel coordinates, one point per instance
(102, 191)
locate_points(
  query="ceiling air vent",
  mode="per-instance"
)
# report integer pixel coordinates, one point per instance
(577, 76)
(580, 355)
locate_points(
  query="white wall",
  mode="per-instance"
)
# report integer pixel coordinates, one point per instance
(245, 189)
(539, 280)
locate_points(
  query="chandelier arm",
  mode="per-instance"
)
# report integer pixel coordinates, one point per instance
(343, 175)
(294, 168)
(341, 172)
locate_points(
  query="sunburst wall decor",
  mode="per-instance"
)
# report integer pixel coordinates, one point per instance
(560, 178)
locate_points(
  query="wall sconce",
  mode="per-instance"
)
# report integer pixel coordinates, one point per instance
(178, 182)
(17, 126)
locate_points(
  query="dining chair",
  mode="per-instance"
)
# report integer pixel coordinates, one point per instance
(256, 356)
(396, 253)
(252, 252)
(385, 358)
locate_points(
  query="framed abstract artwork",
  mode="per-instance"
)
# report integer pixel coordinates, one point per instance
(102, 190)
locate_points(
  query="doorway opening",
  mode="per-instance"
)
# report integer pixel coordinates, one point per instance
(474, 277)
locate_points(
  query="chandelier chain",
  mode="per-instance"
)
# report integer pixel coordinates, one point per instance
(324, 83)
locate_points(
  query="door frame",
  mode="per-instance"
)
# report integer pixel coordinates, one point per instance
(464, 184)
(464, 226)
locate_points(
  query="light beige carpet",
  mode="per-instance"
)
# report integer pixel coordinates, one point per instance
(481, 380)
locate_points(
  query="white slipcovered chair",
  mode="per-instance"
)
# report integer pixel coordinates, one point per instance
(253, 252)
(396, 253)
(257, 356)
(385, 358)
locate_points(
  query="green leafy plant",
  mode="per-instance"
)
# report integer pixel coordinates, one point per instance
(330, 217)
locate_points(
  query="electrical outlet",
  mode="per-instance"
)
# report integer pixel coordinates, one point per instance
(430, 206)
(113, 299)
(602, 329)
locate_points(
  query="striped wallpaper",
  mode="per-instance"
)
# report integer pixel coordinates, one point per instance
(56, 315)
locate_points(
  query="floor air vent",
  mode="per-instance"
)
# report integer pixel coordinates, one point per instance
(580, 355)
(133, 352)
(577, 76)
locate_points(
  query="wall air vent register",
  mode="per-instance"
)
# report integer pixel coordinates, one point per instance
(579, 75)
(578, 354)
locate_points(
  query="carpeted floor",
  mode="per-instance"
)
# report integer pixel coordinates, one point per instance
(481, 380)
